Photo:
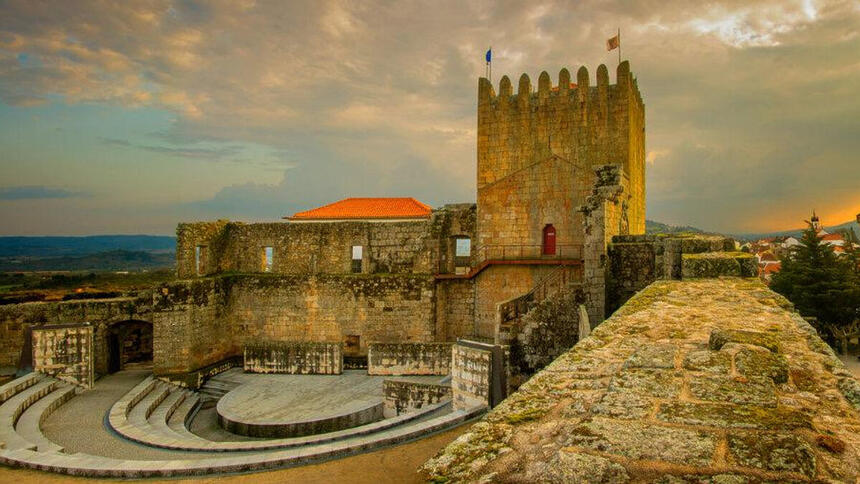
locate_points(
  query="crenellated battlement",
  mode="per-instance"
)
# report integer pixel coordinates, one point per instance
(526, 95)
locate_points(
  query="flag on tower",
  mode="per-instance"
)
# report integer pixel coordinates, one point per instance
(489, 55)
(612, 42)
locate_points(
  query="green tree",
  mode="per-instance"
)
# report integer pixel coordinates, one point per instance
(819, 282)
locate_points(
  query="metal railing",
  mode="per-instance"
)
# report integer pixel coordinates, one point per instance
(524, 252)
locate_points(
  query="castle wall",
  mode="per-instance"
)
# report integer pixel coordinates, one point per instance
(15, 319)
(455, 308)
(416, 247)
(500, 283)
(191, 326)
(200, 322)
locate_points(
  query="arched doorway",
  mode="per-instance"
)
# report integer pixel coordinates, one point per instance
(549, 240)
(129, 343)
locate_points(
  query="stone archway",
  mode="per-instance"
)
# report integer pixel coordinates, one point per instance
(129, 343)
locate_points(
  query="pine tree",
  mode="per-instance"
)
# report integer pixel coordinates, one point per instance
(819, 282)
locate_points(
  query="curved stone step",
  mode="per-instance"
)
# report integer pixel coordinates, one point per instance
(12, 409)
(180, 419)
(17, 385)
(140, 412)
(95, 466)
(192, 442)
(29, 424)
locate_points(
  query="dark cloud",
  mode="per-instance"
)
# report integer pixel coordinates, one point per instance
(752, 111)
(212, 154)
(37, 193)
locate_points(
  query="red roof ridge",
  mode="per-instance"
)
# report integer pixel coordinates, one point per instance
(367, 208)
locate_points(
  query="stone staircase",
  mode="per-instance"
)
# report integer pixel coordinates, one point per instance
(156, 413)
(219, 385)
(24, 404)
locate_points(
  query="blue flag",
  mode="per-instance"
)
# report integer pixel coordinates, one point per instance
(489, 55)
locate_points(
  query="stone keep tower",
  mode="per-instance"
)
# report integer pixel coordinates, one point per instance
(537, 150)
(539, 157)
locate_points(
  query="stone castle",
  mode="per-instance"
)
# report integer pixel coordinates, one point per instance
(560, 170)
(690, 378)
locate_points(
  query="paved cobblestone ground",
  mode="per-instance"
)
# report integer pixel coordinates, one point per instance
(79, 424)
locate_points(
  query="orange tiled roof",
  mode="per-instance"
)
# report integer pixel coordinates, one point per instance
(831, 237)
(367, 208)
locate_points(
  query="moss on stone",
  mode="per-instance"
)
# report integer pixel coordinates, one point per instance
(720, 337)
(773, 452)
(733, 416)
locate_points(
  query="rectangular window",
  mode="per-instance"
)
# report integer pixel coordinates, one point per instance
(200, 259)
(268, 258)
(357, 255)
(463, 247)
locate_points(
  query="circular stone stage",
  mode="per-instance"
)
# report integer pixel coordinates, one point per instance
(274, 406)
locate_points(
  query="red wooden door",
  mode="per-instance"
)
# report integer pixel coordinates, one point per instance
(549, 240)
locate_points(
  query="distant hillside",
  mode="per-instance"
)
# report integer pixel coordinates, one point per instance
(80, 246)
(113, 260)
(798, 232)
(652, 227)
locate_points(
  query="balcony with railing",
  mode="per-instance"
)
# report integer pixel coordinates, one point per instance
(534, 254)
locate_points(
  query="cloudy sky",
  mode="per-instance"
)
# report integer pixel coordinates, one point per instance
(127, 117)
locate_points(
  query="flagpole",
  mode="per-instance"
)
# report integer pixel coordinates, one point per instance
(490, 66)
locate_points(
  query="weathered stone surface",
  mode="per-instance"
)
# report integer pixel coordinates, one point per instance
(571, 466)
(716, 264)
(758, 362)
(709, 361)
(637, 440)
(773, 452)
(720, 337)
(752, 391)
(732, 416)
(700, 422)
(657, 356)
(625, 405)
(656, 383)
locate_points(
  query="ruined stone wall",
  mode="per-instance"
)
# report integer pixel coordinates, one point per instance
(408, 358)
(202, 321)
(471, 373)
(192, 327)
(455, 308)
(548, 330)
(100, 313)
(500, 283)
(635, 261)
(329, 308)
(65, 352)
(417, 247)
(294, 358)
(407, 396)
(558, 132)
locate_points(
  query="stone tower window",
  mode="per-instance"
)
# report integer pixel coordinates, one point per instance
(357, 256)
(200, 256)
(549, 240)
(267, 258)
(463, 247)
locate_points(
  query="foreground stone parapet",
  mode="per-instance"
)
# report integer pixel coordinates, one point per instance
(691, 381)
(716, 264)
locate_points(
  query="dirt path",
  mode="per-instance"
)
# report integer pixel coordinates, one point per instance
(394, 464)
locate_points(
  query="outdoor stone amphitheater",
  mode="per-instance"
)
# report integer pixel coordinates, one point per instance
(371, 322)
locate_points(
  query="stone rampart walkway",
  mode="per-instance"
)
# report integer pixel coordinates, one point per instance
(708, 381)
